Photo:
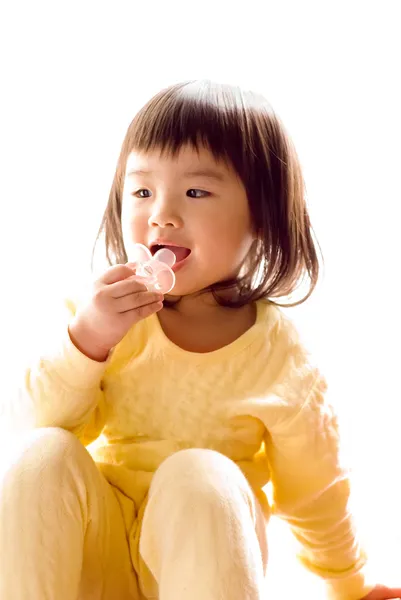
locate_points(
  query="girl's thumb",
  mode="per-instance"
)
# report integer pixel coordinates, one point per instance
(132, 265)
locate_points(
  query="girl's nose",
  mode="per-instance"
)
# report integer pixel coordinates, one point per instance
(164, 215)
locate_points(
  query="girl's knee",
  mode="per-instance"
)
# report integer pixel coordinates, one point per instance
(39, 453)
(201, 472)
(215, 485)
(186, 463)
(200, 486)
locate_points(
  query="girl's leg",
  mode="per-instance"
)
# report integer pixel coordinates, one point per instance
(203, 533)
(62, 535)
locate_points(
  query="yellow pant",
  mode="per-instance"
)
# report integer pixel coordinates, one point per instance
(63, 535)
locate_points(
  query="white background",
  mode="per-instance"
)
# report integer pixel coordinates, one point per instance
(73, 75)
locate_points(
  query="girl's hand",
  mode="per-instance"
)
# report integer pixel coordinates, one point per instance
(380, 592)
(118, 301)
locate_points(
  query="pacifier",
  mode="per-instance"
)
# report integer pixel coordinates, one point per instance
(156, 269)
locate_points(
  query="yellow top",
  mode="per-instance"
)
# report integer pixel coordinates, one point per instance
(260, 401)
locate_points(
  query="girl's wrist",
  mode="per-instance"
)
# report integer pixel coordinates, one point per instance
(83, 341)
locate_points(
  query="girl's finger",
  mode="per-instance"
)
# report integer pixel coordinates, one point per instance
(132, 265)
(143, 311)
(135, 301)
(116, 273)
(127, 286)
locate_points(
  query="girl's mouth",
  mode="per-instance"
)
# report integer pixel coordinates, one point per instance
(180, 252)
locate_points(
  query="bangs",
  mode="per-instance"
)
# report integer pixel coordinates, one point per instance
(199, 114)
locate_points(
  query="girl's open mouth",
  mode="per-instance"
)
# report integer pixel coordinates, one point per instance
(180, 252)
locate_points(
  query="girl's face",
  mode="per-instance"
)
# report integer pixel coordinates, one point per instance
(191, 202)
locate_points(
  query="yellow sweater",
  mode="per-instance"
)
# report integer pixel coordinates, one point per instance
(260, 401)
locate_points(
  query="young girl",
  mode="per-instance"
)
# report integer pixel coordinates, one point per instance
(196, 400)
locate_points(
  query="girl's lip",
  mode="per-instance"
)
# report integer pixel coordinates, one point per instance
(160, 242)
(177, 266)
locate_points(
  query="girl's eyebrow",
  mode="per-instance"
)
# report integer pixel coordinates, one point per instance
(208, 173)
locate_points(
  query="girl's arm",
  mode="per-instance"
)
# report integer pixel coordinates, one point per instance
(311, 492)
(61, 388)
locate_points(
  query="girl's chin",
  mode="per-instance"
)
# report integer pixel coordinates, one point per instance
(180, 291)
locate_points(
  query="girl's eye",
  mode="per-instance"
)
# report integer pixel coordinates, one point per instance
(139, 193)
(193, 193)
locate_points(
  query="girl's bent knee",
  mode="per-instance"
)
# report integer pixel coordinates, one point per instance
(200, 460)
(197, 458)
(200, 471)
(42, 451)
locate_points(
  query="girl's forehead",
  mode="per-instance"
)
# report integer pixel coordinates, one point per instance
(188, 159)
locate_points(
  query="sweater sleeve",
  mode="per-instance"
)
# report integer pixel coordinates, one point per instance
(60, 388)
(311, 489)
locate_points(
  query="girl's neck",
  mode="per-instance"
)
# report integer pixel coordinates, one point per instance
(201, 305)
(195, 306)
(200, 324)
